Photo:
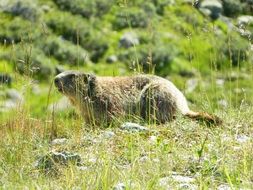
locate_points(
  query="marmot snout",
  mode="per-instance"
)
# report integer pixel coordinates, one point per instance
(102, 99)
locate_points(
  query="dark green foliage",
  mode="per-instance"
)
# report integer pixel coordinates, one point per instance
(16, 30)
(70, 27)
(247, 7)
(130, 17)
(97, 46)
(232, 8)
(234, 50)
(86, 8)
(237, 50)
(29, 61)
(64, 51)
(63, 30)
(75, 29)
(156, 58)
(28, 9)
(149, 9)
(160, 5)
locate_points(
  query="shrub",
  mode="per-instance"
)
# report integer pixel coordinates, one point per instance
(232, 8)
(75, 29)
(28, 9)
(16, 30)
(157, 58)
(232, 49)
(237, 49)
(29, 61)
(161, 4)
(86, 8)
(133, 17)
(64, 51)
(70, 27)
(97, 47)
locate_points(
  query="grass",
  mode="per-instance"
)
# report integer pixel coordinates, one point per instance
(211, 155)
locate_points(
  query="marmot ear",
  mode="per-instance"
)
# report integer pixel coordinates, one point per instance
(89, 78)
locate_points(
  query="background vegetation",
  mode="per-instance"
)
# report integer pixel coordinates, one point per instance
(204, 47)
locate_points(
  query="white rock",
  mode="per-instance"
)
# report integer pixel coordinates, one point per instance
(244, 20)
(223, 103)
(191, 84)
(119, 186)
(133, 127)
(128, 40)
(242, 138)
(14, 95)
(182, 179)
(82, 168)
(60, 141)
(223, 187)
(153, 139)
(143, 158)
(107, 135)
(164, 182)
(220, 82)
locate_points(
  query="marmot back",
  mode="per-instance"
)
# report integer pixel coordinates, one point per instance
(102, 99)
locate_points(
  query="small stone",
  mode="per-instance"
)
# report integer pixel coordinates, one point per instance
(82, 168)
(153, 139)
(182, 179)
(223, 187)
(211, 8)
(107, 134)
(9, 104)
(128, 40)
(220, 82)
(164, 182)
(49, 160)
(133, 127)
(60, 141)
(36, 89)
(191, 84)
(223, 103)
(112, 59)
(144, 159)
(14, 95)
(242, 138)
(90, 140)
(119, 186)
(156, 160)
(244, 20)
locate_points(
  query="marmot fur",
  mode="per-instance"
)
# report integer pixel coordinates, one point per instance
(102, 99)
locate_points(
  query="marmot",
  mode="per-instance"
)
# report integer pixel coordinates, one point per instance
(103, 99)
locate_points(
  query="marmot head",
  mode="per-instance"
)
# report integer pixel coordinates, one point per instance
(74, 83)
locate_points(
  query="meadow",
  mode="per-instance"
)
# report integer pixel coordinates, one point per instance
(207, 59)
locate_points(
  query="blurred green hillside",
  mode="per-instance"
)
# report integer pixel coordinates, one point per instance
(191, 42)
(118, 36)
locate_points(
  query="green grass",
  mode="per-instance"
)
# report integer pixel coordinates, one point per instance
(211, 155)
